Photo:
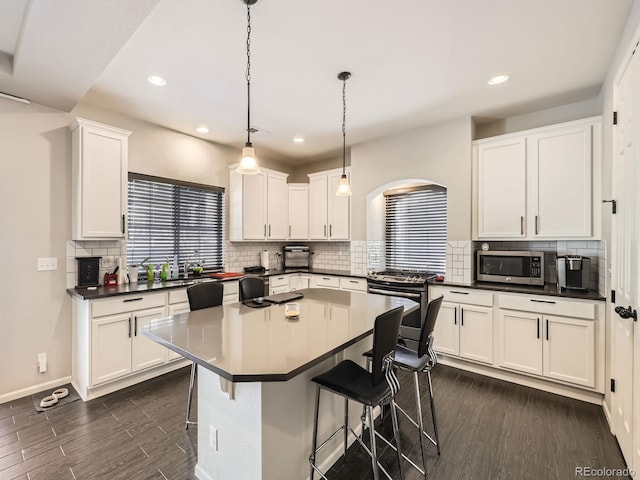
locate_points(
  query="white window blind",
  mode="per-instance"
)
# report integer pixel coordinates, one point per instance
(168, 217)
(416, 228)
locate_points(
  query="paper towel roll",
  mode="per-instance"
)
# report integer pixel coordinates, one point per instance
(264, 259)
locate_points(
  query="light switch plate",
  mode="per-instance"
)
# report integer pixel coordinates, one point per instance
(45, 264)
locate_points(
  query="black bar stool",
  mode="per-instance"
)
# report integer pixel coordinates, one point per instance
(416, 362)
(351, 381)
(203, 295)
(251, 287)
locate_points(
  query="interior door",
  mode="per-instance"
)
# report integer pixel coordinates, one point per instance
(625, 226)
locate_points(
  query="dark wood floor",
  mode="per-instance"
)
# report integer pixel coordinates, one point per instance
(489, 430)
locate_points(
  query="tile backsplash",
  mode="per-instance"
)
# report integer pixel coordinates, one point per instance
(113, 252)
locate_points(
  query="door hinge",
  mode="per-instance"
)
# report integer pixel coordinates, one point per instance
(613, 296)
(615, 118)
(613, 385)
(614, 205)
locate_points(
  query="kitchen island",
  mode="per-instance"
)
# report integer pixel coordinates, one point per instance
(255, 399)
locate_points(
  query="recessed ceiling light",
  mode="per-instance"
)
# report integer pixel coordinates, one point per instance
(157, 80)
(298, 139)
(498, 79)
(202, 129)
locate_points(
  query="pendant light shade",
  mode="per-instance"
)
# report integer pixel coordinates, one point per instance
(344, 189)
(248, 164)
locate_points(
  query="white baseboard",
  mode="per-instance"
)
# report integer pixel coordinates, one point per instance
(51, 384)
(537, 383)
(201, 474)
(607, 415)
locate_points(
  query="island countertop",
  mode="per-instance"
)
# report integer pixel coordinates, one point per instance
(244, 344)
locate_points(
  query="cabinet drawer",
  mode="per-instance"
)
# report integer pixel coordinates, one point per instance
(323, 281)
(548, 305)
(126, 303)
(178, 296)
(279, 281)
(231, 288)
(463, 295)
(357, 284)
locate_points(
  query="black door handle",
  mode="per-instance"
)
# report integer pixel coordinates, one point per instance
(627, 312)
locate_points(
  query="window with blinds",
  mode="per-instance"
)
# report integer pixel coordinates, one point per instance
(416, 228)
(168, 217)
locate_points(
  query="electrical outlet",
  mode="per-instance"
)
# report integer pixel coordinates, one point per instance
(213, 437)
(42, 362)
(45, 264)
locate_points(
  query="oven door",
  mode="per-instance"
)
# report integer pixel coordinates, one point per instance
(412, 322)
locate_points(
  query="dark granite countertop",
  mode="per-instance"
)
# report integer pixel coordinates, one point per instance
(85, 293)
(549, 289)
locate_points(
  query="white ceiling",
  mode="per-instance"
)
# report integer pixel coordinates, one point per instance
(414, 62)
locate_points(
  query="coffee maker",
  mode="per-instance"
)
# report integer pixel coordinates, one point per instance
(573, 272)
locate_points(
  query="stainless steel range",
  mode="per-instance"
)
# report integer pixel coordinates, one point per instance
(408, 284)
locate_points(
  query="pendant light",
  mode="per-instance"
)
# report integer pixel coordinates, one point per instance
(248, 164)
(344, 189)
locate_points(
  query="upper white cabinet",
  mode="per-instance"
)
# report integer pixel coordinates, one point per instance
(259, 206)
(539, 184)
(298, 211)
(329, 214)
(99, 185)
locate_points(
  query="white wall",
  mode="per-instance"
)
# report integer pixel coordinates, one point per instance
(35, 194)
(439, 153)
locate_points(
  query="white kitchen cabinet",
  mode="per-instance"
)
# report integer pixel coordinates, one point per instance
(329, 214)
(542, 343)
(539, 184)
(501, 175)
(258, 205)
(278, 284)
(146, 353)
(353, 284)
(464, 329)
(299, 281)
(325, 281)
(230, 292)
(298, 211)
(110, 348)
(99, 181)
(560, 181)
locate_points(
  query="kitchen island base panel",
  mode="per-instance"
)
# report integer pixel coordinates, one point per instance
(265, 432)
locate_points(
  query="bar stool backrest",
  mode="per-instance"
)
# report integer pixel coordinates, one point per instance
(385, 338)
(429, 324)
(205, 295)
(251, 287)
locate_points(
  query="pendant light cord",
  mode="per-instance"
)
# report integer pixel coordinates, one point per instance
(248, 74)
(344, 120)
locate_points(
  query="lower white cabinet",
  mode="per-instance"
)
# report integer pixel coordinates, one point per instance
(230, 292)
(298, 281)
(464, 329)
(325, 281)
(279, 284)
(553, 346)
(116, 345)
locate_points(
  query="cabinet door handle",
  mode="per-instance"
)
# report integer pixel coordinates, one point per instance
(521, 225)
(129, 327)
(461, 317)
(330, 230)
(137, 299)
(542, 301)
(265, 229)
(538, 329)
(123, 222)
(536, 223)
(325, 230)
(459, 293)
(547, 329)
(353, 281)
(455, 316)
(289, 230)
(135, 326)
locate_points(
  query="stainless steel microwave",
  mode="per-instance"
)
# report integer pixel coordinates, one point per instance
(524, 268)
